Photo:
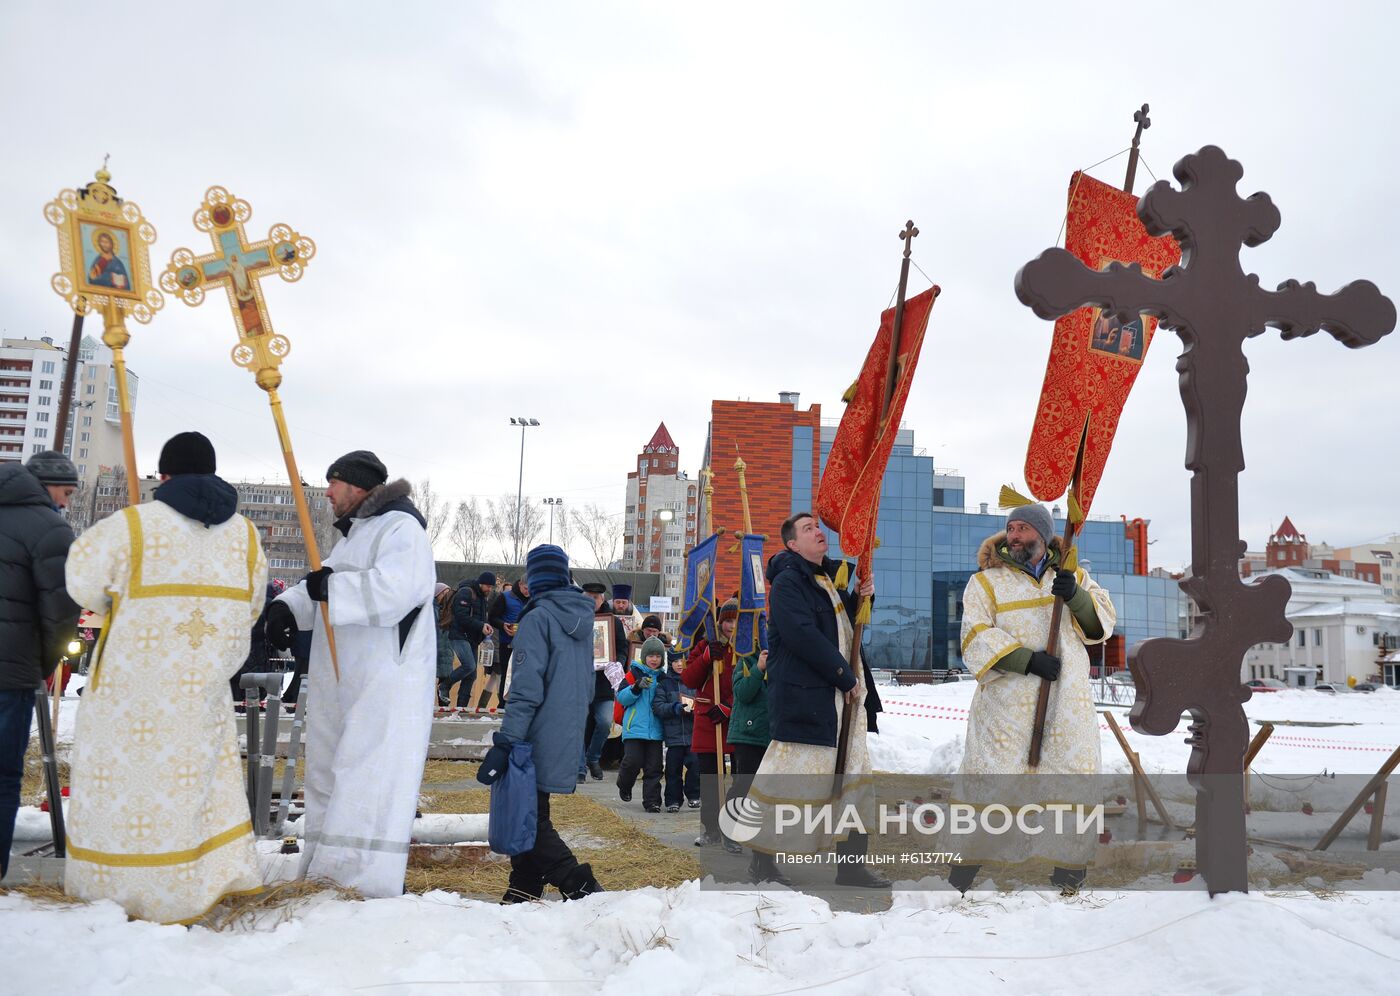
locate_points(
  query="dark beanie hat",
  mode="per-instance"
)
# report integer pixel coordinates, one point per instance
(595, 588)
(486, 577)
(187, 453)
(651, 622)
(360, 468)
(52, 467)
(546, 569)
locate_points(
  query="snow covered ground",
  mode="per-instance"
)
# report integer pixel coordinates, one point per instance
(689, 940)
(660, 942)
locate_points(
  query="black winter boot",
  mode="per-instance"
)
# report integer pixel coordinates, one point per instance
(762, 868)
(579, 883)
(961, 877)
(1068, 880)
(523, 889)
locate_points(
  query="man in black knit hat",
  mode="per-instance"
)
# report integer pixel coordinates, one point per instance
(36, 615)
(369, 729)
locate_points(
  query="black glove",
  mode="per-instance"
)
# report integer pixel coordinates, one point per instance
(497, 759)
(1064, 586)
(281, 625)
(1044, 665)
(717, 715)
(318, 584)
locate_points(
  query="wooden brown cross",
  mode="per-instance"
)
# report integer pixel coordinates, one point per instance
(907, 237)
(1213, 305)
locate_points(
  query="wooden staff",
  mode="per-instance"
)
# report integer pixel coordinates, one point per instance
(1052, 642)
(708, 476)
(115, 336)
(313, 554)
(907, 236)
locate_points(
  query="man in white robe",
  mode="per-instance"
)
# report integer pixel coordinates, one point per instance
(158, 821)
(1007, 610)
(367, 733)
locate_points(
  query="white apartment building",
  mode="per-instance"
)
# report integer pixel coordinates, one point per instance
(31, 382)
(1340, 627)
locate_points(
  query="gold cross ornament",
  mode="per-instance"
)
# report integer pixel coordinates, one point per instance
(196, 629)
(238, 266)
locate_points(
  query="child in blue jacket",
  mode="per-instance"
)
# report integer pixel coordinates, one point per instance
(677, 723)
(642, 733)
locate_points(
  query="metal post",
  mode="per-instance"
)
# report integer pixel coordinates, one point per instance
(48, 749)
(524, 423)
(519, 493)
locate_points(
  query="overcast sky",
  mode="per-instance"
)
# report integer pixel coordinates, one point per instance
(606, 215)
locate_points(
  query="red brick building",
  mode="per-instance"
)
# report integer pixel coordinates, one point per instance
(781, 447)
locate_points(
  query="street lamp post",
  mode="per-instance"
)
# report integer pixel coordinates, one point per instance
(552, 502)
(524, 423)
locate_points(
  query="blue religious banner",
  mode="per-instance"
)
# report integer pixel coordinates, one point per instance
(751, 633)
(698, 601)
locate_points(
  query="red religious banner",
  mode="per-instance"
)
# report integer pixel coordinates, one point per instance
(848, 499)
(1094, 358)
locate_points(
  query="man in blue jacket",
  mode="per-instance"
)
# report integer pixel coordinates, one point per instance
(549, 694)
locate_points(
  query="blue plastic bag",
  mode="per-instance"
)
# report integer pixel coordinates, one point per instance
(514, 804)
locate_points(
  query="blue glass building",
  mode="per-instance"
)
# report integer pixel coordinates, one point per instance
(928, 553)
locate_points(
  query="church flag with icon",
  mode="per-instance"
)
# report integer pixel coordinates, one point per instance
(1094, 357)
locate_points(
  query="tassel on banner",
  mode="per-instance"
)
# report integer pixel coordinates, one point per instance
(1011, 498)
(1071, 561)
(850, 394)
(1076, 513)
(843, 576)
(863, 613)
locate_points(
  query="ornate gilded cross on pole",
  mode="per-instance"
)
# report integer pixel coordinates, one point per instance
(1214, 306)
(104, 261)
(238, 265)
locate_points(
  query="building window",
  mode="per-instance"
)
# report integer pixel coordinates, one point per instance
(47, 367)
(41, 416)
(46, 385)
(41, 433)
(92, 389)
(1317, 638)
(87, 420)
(37, 447)
(82, 455)
(1302, 638)
(45, 399)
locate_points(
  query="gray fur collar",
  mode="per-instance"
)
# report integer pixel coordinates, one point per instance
(380, 496)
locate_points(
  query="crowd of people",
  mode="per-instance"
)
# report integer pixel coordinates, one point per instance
(159, 818)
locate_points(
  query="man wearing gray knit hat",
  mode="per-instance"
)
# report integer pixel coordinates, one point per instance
(1026, 577)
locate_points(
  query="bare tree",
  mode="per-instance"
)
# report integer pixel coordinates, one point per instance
(515, 526)
(601, 531)
(434, 508)
(563, 529)
(469, 530)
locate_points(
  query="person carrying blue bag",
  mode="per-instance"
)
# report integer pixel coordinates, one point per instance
(552, 664)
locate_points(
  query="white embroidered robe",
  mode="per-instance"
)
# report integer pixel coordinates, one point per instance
(158, 819)
(1003, 609)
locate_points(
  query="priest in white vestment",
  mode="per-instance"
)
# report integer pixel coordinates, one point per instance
(1007, 610)
(367, 732)
(158, 819)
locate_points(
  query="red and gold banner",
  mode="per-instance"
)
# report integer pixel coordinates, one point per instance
(848, 499)
(1094, 358)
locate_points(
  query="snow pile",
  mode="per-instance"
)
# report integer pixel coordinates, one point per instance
(688, 940)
